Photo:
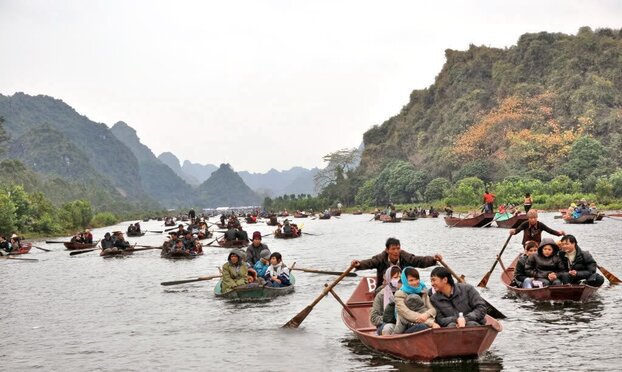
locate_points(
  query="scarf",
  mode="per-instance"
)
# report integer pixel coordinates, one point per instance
(389, 289)
(406, 288)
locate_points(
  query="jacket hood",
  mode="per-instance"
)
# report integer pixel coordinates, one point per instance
(237, 252)
(548, 241)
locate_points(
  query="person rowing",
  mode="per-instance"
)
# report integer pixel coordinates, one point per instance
(393, 255)
(533, 228)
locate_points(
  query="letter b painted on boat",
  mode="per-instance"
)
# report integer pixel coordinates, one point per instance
(371, 284)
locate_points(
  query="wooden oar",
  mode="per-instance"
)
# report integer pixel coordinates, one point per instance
(484, 281)
(209, 244)
(494, 219)
(155, 231)
(609, 275)
(341, 302)
(491, 310)
(300, 317)
(43, 249)
(148, 246)
(314, 271)
(311, 234)
(84, 251)
(175, 282)
(54, 242)
(19, 258)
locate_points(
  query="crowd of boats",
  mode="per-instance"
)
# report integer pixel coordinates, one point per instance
(257, 273)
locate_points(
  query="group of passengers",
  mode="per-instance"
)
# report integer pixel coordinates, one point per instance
(114, 242)
(85, 237)
(287, 230)
(578, 210)
(257, 267)
(404, 303)
(182, 242)
(8, 246)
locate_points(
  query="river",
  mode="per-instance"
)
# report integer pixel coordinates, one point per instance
(85, 312)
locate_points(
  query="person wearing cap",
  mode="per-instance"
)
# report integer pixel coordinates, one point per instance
(234, 272)
(253, 251)
(533, 228)
(579, 265)
(261, 266)
(546, 265)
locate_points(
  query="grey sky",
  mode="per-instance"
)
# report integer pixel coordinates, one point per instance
(258, 84)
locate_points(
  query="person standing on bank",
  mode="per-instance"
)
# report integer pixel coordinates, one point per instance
(393, 255)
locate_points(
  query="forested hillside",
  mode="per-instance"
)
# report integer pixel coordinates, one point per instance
(550, 106)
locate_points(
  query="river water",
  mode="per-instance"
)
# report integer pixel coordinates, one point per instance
(88, 313)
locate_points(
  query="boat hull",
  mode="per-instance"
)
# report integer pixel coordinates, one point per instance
(585, 219)
(569, 292)
(428, 345)
(512, 222)
(76, 246)
(480, 220)
(256, 293)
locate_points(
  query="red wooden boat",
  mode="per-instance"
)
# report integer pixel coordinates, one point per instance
(426, 345)
(300, 215)
(480, 220)
(283, 236)
(73, 246)
(568, 292)
(512, 222)
(23, 249)
(232, 243)
(335, 213)
(389, 220)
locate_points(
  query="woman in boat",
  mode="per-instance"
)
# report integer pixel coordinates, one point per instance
(87, 236)
(277, 274)
(234, 271)
(384, 303)
(521, 279)
(451, 299)
(579, 265)
(5, 246)
(108, 244)
(533, 228)
(414, 310)
(546, 265)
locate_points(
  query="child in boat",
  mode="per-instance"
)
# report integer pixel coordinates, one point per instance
(261, 266)
(521, 279)
(234, 272)
(545, 266)
(384, 303)
(414, 310)
(277, 274)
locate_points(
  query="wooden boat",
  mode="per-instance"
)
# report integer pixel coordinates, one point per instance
(323, 217)
(408, 218)
(357, 213)
(510, 221)
(586, 218)
(477, 221)
(145, 219)
(177, 255)
(300, 215)
(599, 216)
(568, 292)
(232, 243)
(23, 249)
(73, 246)
(256, 293)
(119, 253)
(335, 213)
(283, 236)
(169, 223)
(427, 345)
(133, 233)
(284, 214)
(249, 220)
(614, 215)
(395, 220)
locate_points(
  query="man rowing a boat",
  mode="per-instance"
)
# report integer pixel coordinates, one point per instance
(393, 255)
(533, 228)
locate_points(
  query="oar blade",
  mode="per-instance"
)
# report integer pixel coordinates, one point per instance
(299, 318)
(43, 249)
(493, 311)
(175, 282)
(609, 275)
(80, 252)
(482, 283)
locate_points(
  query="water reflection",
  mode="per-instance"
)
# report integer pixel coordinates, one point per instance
(384, 362)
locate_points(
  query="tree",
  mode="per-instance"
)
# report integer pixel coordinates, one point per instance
(564, 185)
(339, 163)
(467, 191)
(437, 189)
(585, 156)
(7, 214)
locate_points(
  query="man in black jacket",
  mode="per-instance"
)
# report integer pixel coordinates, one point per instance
(393, 255)
(579, 264)
(457, 304)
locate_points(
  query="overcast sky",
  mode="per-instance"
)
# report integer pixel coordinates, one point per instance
(258, 84)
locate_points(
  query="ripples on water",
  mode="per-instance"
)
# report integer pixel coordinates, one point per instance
(89, 313)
